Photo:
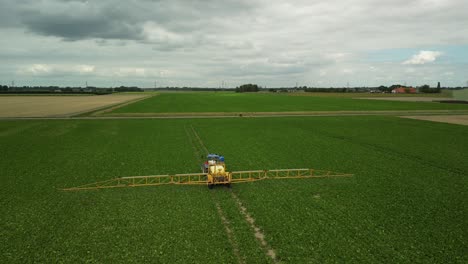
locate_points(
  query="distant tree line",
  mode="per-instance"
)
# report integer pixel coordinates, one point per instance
(200, 89)
(247, 88)
(286, 90)
(243, 88)
(422, 89)
(53, 90)
(330, 90)
(385, 89)
(65, 90)
(128, 89)
(427, 89)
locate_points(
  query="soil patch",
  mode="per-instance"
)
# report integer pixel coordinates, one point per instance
(452, 119)
(57, 106)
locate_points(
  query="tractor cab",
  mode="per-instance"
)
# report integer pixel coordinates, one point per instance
(212, 159)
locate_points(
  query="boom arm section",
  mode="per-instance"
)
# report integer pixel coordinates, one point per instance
(202, 178)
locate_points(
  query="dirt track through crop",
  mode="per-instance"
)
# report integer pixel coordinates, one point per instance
(216, 115)
(229, 233)
(194, 139)
(196, 150)
(406, 99)
(269, 251)
(199, 140)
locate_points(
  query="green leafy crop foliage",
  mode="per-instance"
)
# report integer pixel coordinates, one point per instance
(235, 102)
(405, 202)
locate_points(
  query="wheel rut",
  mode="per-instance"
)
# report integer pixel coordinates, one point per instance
(230, 234)
(199, 147)
(259, 235)
(200, 141)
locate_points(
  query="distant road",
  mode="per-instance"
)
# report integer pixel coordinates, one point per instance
(408, 99)
(255, 114)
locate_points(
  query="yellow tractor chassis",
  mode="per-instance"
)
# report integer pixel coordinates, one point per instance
(204, 178)
(219, 180)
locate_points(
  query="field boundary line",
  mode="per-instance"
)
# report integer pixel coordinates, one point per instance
(268, 250)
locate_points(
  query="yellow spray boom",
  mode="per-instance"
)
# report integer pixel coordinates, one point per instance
(209, 178)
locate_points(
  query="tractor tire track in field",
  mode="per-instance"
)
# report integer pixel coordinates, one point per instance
(194, 139)
(269, 251)
(229, 233)
(196, 151)
(199, 140)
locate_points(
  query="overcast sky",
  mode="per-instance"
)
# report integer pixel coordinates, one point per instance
(205, 42)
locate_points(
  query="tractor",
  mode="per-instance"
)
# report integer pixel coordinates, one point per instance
(213, 173)
(215, 168)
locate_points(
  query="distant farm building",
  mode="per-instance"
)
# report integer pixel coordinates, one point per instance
(404, 90)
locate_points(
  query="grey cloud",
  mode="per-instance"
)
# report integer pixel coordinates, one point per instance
(271, 41)
(72, 28)
(75, 20)
(106, 19)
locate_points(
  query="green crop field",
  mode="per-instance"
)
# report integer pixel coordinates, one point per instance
(235, 102)
(406, 202)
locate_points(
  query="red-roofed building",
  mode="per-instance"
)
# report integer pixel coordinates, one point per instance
(404, 90)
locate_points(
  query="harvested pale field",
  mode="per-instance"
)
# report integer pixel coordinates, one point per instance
(408, 99)
(452, 119)
(57, 106)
